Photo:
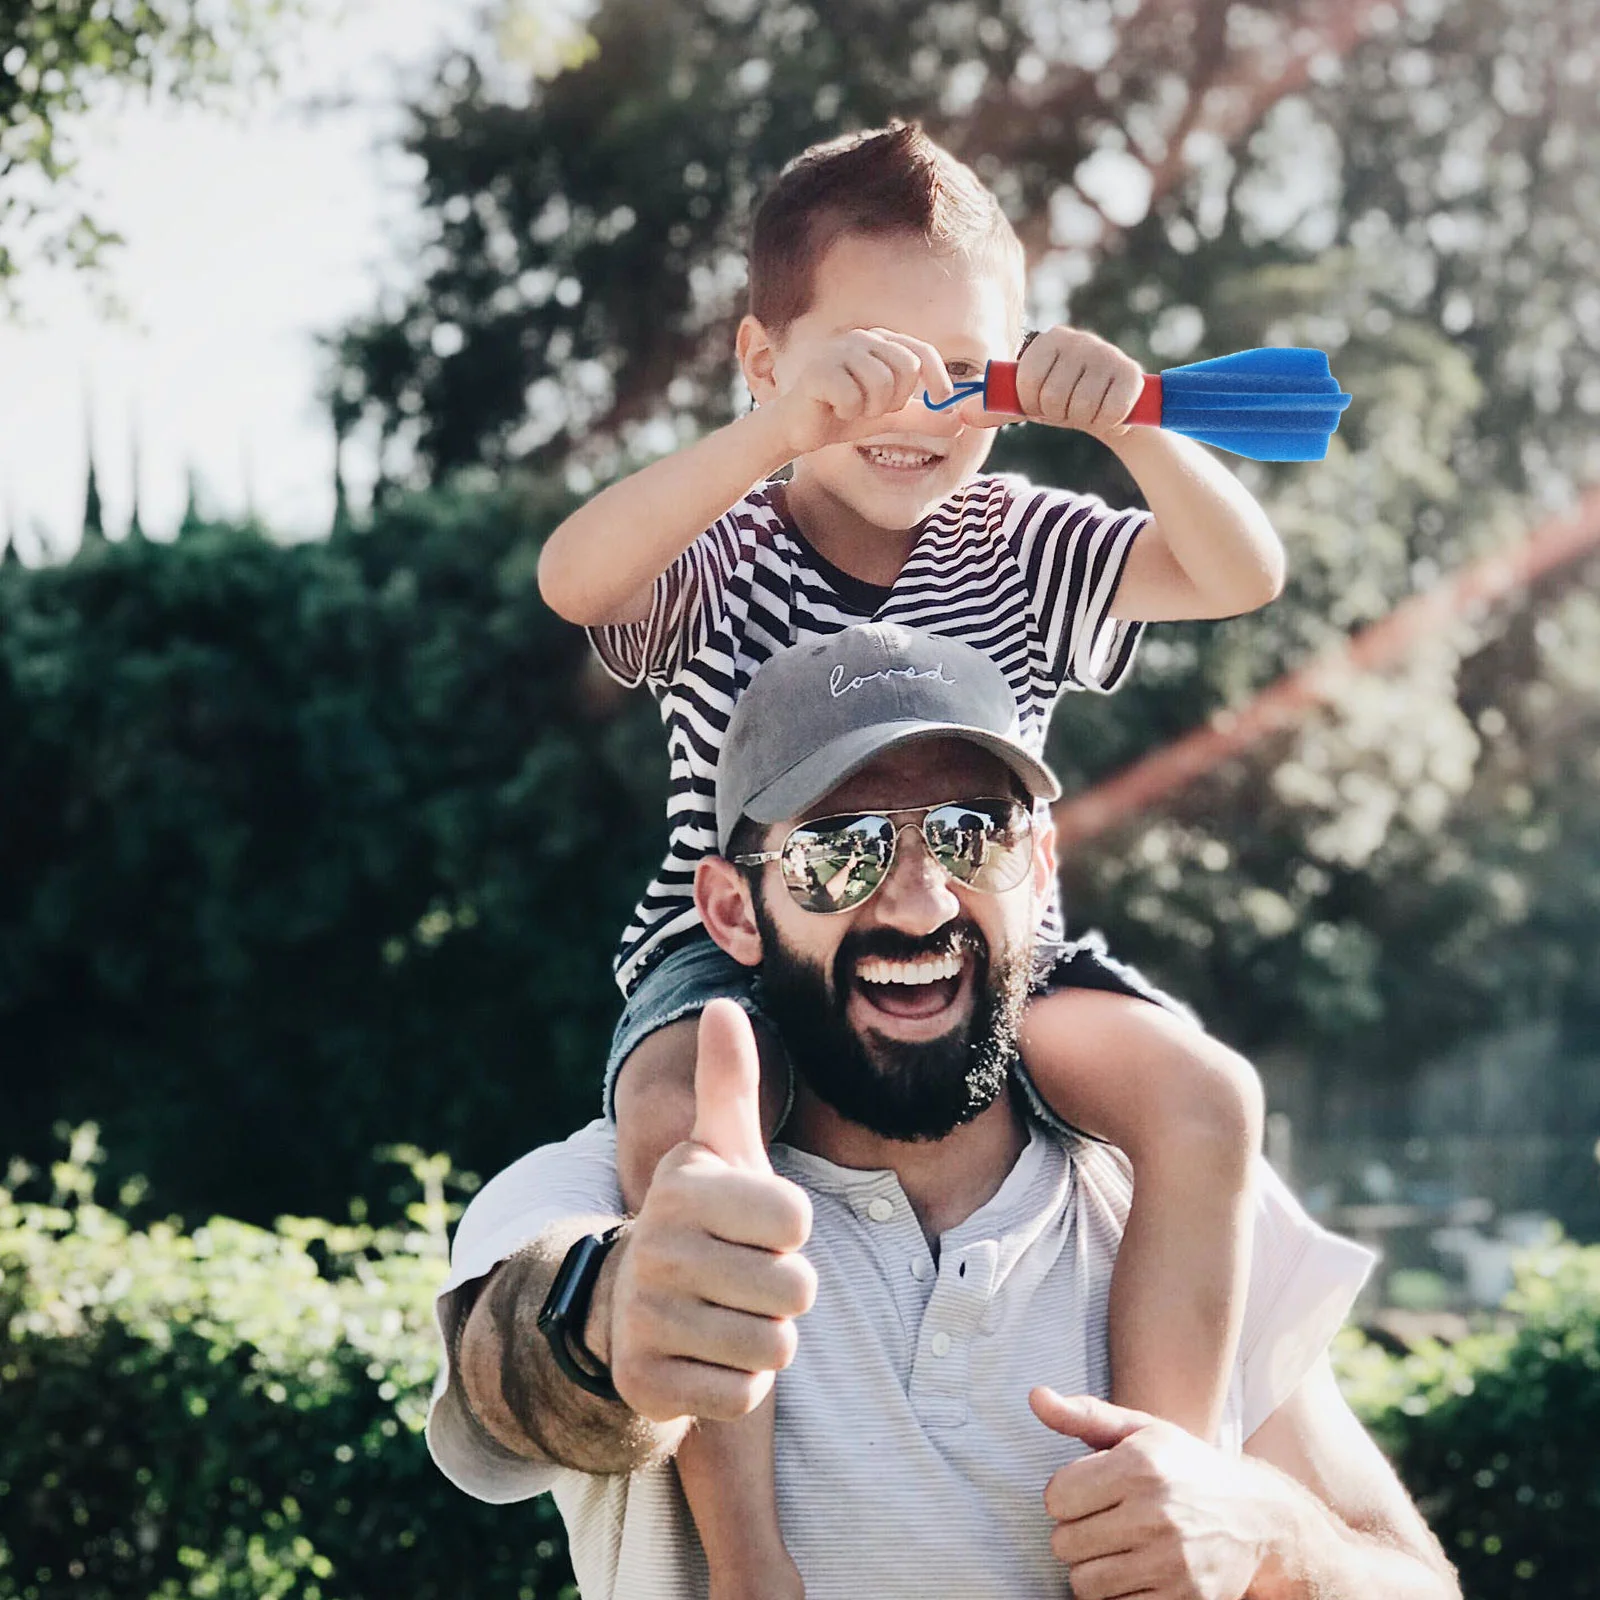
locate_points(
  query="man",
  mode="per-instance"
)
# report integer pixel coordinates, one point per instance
(928, 1266)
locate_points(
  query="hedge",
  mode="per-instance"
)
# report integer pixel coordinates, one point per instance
(1498, 1436)
(307, 851)
(236, 1412)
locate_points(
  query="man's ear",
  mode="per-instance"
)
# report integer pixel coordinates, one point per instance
(722, 896)
(758, 358)
(1044, 858)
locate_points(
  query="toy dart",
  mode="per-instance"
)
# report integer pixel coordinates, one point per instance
(1279, 403)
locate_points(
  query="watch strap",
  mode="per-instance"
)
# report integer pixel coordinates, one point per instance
(566, 1310)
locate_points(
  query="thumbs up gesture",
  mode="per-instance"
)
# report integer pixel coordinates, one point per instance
(1152, 1511)
(710, 1277)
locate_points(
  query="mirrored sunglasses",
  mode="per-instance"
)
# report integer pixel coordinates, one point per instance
(833, 864)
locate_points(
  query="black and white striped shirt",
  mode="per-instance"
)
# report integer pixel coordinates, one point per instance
(1027, 575)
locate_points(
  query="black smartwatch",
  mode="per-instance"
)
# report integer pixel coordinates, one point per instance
(566, 1310)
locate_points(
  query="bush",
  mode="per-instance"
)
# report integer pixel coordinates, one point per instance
(235, 1413)
(1496, 1435)
(309, 851)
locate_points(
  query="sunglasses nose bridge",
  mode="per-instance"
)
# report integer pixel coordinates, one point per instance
(918, 874)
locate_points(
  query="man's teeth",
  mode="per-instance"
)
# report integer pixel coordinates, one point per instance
(892, 455)
(933, 970)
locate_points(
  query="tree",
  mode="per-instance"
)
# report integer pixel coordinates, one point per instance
(586, 265)
(1401, 186)
(58, 59)
(306, 851)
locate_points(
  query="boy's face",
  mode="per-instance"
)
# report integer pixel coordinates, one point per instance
(895, 478)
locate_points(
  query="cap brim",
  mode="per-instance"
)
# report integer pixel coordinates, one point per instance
(810, 778)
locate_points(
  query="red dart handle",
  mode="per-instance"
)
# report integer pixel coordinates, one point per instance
(1147, 408)
(1000, 388)
(1000, 394)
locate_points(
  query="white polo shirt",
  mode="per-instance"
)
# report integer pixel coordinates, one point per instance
(908, 1461)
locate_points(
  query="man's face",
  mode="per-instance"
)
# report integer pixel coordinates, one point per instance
(964, 309)
(903, 1014)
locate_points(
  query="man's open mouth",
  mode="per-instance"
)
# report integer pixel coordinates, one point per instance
(918, 990)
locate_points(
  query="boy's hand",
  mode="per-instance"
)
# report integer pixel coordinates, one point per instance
(856, 382)
(1068, 378)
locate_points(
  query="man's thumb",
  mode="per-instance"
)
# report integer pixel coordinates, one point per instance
(727, 1088)
(1098, 1423)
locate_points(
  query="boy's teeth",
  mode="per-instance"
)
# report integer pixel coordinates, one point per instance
(889, 455)
(876, 970)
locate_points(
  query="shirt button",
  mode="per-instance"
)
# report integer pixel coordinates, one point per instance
(919, 1268)
(879, 1209)
(940, 1344)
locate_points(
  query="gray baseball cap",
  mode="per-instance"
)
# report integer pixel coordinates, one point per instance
(819, 711)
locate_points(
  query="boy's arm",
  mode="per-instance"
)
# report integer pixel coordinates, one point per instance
(600, 566)
(1187, 1111)
(1209, 550)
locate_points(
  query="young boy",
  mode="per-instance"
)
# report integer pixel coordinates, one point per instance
(880, 266)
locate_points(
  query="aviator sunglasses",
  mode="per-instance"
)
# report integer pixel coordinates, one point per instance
(833, 864)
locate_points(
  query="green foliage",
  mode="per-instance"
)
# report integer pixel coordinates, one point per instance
(235, 1413)
(1495, 1435)
(1412, 867)
(56, 58)
(587, 272)
(329, 847)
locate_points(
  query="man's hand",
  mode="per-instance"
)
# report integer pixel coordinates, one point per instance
(1154, 1512)
(856, 383)
(1068, 378)
(709, 1279)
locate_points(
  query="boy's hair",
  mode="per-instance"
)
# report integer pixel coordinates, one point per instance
(881, 181)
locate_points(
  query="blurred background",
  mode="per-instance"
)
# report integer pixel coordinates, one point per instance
(317, 829)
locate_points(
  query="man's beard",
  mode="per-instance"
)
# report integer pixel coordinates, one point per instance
(895, 1088)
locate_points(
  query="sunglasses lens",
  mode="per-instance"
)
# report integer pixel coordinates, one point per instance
(985, 844)
(837, 862)
(834, 863)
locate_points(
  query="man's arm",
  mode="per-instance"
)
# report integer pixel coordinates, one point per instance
(1350, 1528)
(694, 1306)
(1311, 1512)
(519, 1396)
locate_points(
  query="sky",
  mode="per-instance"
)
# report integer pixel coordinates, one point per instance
(248, 233)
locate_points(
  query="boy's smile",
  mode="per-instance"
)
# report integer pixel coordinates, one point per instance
(847, 497)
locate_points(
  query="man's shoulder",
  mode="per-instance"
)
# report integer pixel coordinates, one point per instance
(567, 1177)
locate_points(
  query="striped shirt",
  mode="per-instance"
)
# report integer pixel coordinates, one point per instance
(909, 1466)
(1027, 575)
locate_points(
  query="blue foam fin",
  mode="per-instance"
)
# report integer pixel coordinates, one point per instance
(1274, 404)
(1262, 446)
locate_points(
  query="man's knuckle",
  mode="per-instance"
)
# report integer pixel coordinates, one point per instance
(796, 1285)
(792, 1215)
(1055, 1494)
(730, 1395)
(1061, 1544)
(771, 1344)
(1089, 1583)
(786, 1339)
